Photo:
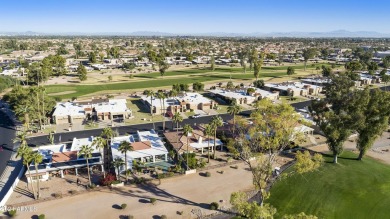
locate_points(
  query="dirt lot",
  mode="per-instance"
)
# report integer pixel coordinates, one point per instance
(190, 194)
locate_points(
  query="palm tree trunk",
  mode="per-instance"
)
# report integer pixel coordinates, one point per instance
(36, 172)
(208, 150)
(89, 175)
(187, 154)
(104, 168)
(215, 137)
(126, 166)
(31, 180)
(151, 111)
(163, 115)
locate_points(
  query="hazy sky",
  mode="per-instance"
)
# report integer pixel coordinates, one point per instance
(194, 16)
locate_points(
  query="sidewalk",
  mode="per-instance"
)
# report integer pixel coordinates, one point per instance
(9, 178)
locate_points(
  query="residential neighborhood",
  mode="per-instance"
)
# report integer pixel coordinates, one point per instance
(194, 110)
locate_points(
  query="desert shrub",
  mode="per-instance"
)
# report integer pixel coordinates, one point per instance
(179, 212)
(234, 167)
(214, 206)
(130, 217)
(208, 174)
(229, 159)
(57, 195)
(41, 216)
(123, 206)
(12, 213)
(72, 192)
(163, 216)
(92, 186)
(153, 200)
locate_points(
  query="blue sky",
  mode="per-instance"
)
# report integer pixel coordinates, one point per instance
(196, 16)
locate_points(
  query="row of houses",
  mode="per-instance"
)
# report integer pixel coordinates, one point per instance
(242, 96)
(148, 148)
(185, 101)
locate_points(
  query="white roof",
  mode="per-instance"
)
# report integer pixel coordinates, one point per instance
(157, 146)
(204, 144)
(113, 105)
(77, 143)
(242, 93)
(157, 103)
(68, 109)
(193, 98)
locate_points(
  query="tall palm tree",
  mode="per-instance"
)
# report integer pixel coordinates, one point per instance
(100, 144)
(25, 152)
(86, 152)
(118, 163)
(234, 109)
(216, 122)
(161, 96)
(37, 159)
(209, 130)
(187, 130)
(150, 93)
(177, 118)
(124, 147)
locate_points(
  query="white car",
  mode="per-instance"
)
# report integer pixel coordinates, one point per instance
(195, 116)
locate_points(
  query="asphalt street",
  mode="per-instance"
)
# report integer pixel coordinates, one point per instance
(131, 129)
(7, 134)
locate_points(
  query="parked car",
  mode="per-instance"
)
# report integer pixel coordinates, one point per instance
(195, 116)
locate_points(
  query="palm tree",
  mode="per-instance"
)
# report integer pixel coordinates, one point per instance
(161, 95)
(107, 134)
(177, 118)
(37, 158)
(25, 152)
(100, 143)
(209, 130)
(124, 147)
(21, 137)
(234, 109)
(24, 109)
(216, 122)
(86, 152)
(118, 163)
(187, 129)
(150, 93)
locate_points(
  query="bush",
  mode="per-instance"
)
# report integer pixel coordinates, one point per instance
(108, 180)
(214, 206)
(72, 192)
(41, 216)
(153, 201)
(179, 212)
(208, 174)
(129, 217)
(92, 186)
(123, 206)
(163, 217)
(57, 195)
(229, 159)
(12, 213)
(234, 167)
(58, 99)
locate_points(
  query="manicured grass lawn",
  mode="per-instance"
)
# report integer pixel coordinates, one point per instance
(350, 189)
(154, 80)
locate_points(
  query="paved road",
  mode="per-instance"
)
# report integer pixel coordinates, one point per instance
(68, 136)
(7, 134)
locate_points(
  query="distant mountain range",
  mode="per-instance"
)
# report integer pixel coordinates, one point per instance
(331, 34)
